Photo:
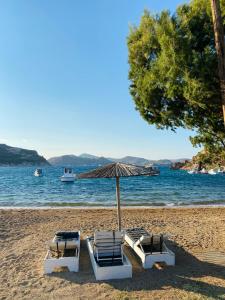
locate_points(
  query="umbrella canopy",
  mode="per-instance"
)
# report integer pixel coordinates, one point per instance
(116, 170)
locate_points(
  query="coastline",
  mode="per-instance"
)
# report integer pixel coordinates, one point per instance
(191, 206)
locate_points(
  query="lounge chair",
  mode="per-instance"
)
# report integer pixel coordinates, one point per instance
(107, 257)
(63, 251)
(150, 248)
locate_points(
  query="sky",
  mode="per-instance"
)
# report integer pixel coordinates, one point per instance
(64, 85)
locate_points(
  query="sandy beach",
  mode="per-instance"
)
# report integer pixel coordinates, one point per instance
(197, 238)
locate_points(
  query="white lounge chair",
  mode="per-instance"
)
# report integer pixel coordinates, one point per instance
(63, 251)
(107, 257)
(150, 248)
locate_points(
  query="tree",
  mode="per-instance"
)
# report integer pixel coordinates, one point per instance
(173, 72)
(220, 47)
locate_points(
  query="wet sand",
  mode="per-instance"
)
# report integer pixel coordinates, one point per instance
(197, 236)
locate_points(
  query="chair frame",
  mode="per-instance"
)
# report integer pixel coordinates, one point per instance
(72, 262)
(111, 270)
(148, 259)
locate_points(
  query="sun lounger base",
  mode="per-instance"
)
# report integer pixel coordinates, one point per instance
(109, 272)
(71, 262)
(50, 263)
(149, 259)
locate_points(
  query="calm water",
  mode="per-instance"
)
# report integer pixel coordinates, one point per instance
(18, 187)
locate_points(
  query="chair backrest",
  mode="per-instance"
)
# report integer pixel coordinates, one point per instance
(153, 241)
(108, 243)
(146, 240)
(67, 235)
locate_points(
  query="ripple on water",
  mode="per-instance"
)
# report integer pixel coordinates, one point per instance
(18, 187)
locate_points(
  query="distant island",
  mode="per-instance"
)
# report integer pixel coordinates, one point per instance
(89, 160)
(13, 156)
(78, 161)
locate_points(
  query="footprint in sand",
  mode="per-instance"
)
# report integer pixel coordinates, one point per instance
(24, 283)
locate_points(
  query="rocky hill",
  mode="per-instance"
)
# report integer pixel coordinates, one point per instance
(207, 159)
(13, 156)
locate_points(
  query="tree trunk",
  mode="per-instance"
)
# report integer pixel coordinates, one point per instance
(118, 202)
(220, 48)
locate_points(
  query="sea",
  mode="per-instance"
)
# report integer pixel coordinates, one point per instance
(20, 188)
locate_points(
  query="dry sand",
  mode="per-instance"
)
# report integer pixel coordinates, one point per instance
(194, 233)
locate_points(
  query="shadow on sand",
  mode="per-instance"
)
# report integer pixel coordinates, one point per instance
(184, 275)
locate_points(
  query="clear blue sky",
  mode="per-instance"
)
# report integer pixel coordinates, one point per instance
(63, 80)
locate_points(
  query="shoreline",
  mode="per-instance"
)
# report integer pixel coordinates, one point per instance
(111, 207)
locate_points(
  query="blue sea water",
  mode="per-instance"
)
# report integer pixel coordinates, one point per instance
(19, 188)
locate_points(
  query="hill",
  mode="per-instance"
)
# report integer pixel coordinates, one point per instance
(86, 155)
(73, 160)
(139, 161)
(13, 156)
(89, 160)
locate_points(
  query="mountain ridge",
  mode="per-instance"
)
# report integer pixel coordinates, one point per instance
(74, 160)
(86, 159)
(15, 156)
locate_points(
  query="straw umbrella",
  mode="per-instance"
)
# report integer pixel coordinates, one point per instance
(116, 170)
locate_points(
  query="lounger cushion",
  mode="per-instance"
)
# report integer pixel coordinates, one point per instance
(62, 245)
(108, 243)
(109, 252)
(101, 236)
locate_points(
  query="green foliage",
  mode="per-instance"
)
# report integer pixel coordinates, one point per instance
(209, 159)
(173, 72)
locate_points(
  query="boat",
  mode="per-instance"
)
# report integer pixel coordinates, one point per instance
(221, 170)
(38, 173)
(212, 172)
(193, 171)
(68, 175)
(151, 170)
(204, 171)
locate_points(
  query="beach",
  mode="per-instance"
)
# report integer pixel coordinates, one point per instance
(197, 236)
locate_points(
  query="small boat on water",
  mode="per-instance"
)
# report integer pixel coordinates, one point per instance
(38, 173)
(203, 171)
(212, 172)
(68, 175)
(193, 171)
(221, 170)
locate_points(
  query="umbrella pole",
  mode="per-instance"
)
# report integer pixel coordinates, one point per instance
(118, 201)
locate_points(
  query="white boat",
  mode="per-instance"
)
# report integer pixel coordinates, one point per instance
(193, 171)
(204, 171)
(68, 175)
(212, 172)
(38, 173)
